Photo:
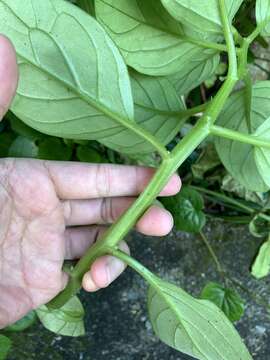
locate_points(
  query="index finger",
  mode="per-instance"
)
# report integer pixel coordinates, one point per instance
(83, 181)
(8, 74)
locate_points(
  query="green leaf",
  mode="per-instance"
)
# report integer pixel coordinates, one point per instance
(195, 327)
(238, 158)
(23, 148)
(151, 41)
(6, 139)
(195, 72)
(203, 15)
(67, 321)
(22, 129)
(24, 323)
(261, 265)
(87, 154)
(5, 345)
(54, 149)
(259, 227)
(87, 5)
(207, 161)
(226, 299)
(262, 14)
(262, 155)
(73, 84)
(186, 208)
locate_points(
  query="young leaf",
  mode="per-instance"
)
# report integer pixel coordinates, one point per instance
(226, 299)
(5, 345)
(186, 208)
(203, 15)
(262, 14)
(151, 41)
(73, 84)
(195, 327)
(195, 72)
(23, 148)
(54, 149)
(238, 158)
(24, 323)
(261, 265)
(67, 321)
(262, 155)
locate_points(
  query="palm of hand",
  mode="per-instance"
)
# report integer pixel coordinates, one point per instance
(32, 247)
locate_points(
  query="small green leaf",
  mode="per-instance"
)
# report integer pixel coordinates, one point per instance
(259, 227)
(262, 155)
(150, 40)
(24, 323)
(67, 321)
(23, 148)
(262, 14)
(195, 327)
(239, 158)
(226, 299)
(261, 265)
(87, 154)
(186, 208)
(54, 149)
(5, 345)
(203, 15)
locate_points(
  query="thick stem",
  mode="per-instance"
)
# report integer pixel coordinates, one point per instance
(237, 136)
(171, 163)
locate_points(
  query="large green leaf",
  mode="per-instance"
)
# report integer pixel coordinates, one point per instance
(262, 14)
(195, 72)
(203, 15)
(67, 321)
(5, 345)
(150, 40)
(195, 327)
(74, 83)
(226, 299)
(261, 265)
(237, 157)
(262, 155)
(187, 210)
(157, 105)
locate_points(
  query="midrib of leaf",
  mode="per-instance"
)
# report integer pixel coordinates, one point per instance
(184, 38)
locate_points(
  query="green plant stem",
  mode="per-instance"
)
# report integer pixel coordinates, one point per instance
(170, 164)
(227, 200)
(235, 135)
(211, 251)
(257, 31)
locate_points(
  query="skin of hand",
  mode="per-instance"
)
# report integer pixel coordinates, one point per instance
(45, 211)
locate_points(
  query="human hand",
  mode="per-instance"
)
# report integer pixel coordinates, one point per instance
(46, 212)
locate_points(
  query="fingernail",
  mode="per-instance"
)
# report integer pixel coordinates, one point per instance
(89, 284)
(114, 267)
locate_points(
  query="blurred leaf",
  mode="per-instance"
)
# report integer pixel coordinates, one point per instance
(24, 323)
(6, 139)
(226, 299)
(5, 345)
(263, 13)
(186, 208)
(67, 321)
(54, 149)
(23, 148)
(195, 327)
(259, 227)
(208, 160)
(87, 5)
(22, 129)
(261, 265)
(262, 154)
(88, 154)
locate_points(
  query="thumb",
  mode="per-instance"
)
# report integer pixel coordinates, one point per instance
(8, 74)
